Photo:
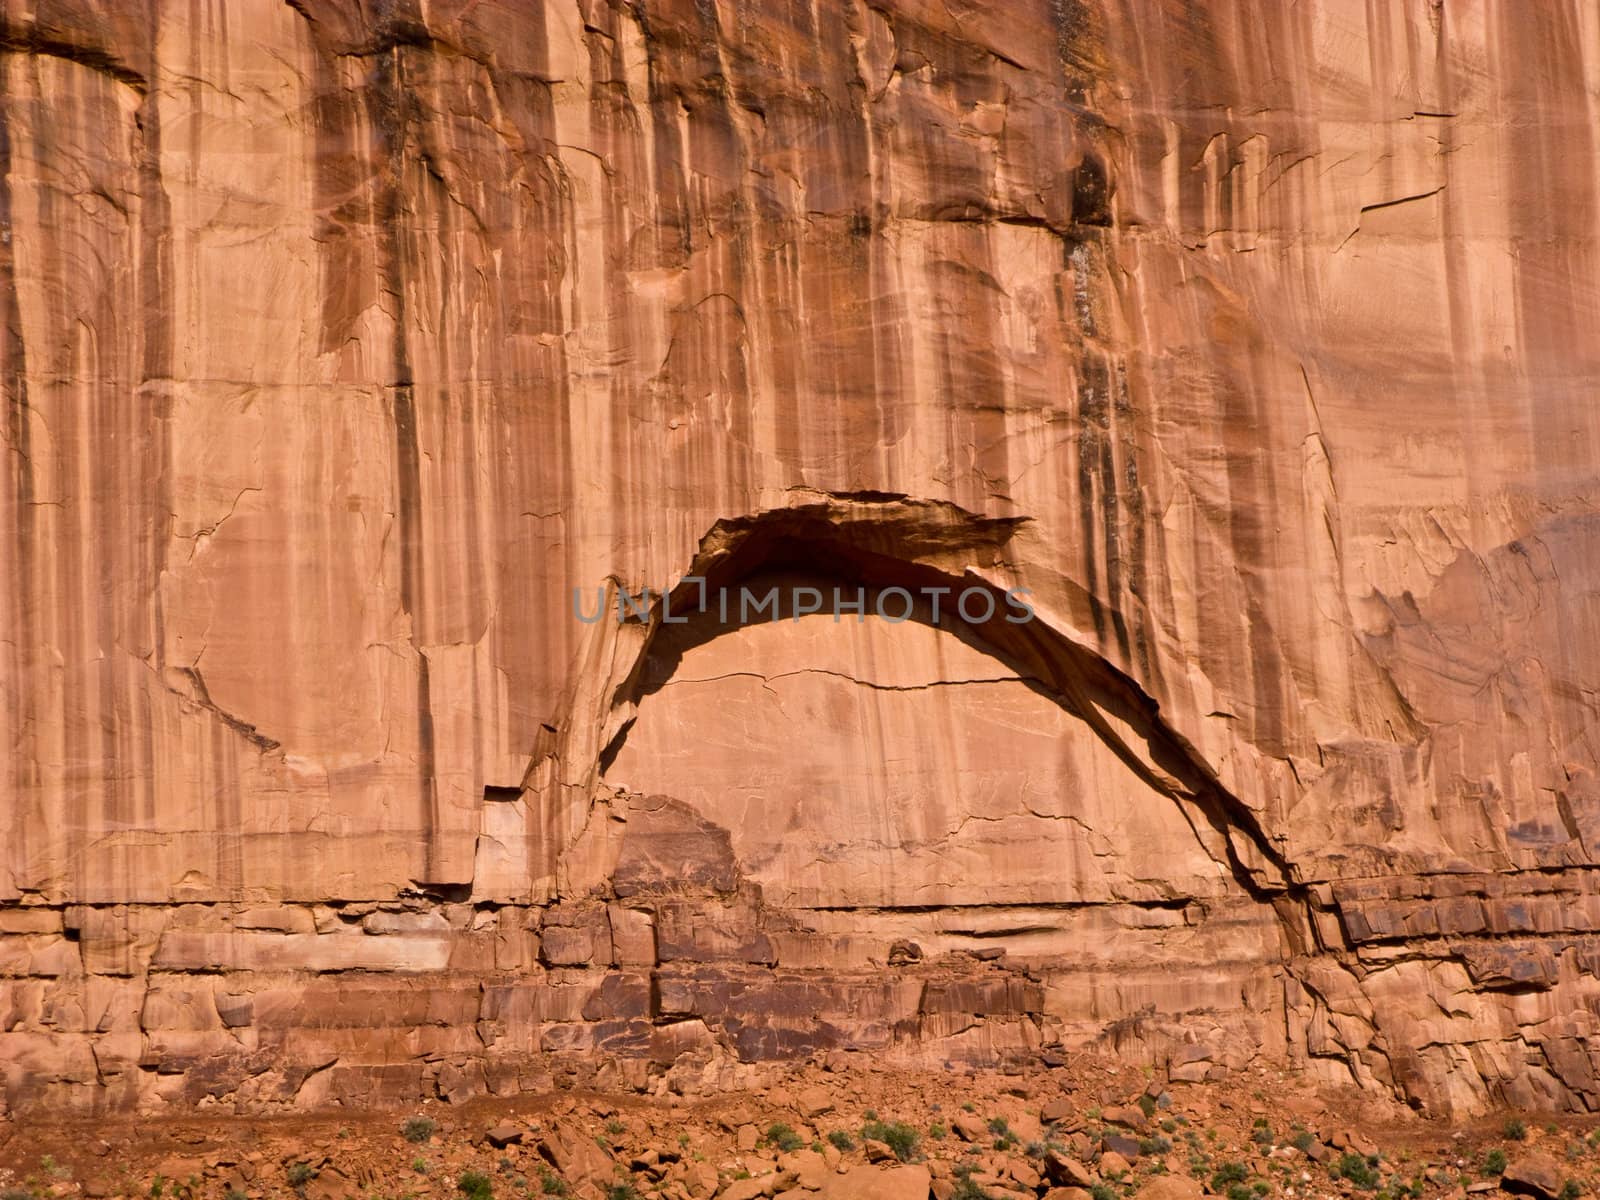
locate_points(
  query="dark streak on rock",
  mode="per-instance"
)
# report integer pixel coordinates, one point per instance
(14, 365)
(390, 117)
(32, 40)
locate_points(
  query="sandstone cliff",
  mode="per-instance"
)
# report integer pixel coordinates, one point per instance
(342, 341)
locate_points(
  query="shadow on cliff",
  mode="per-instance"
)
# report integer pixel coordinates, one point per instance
(876, 542)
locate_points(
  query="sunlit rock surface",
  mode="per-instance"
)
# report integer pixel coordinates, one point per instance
(341, 343)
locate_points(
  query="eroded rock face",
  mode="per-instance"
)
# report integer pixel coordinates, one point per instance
(341, 344)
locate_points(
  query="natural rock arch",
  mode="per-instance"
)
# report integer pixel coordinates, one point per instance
(1142, 899)
(878, 542)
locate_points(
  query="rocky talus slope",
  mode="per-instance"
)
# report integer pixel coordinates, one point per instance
(831, 1130)
(352, 352)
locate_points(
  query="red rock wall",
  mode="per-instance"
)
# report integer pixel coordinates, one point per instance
(342, 342)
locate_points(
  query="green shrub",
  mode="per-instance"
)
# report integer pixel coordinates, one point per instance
(1104, 1191)
(1570, 1190)
(1514, 1130)
(897, 1135)
(784, 1138)
(419, 1165)
(418, 1129)
(475, 1185)
(842, 1141)
(234, 1193)
(299, 1174)
(936, 1131)
(1303, 1140)
(1358, 1169)
(1154, 1145)
(1238, 1191)
(1494, 1162)
(623, 1191)
(550, 1183)
(1228, 1172)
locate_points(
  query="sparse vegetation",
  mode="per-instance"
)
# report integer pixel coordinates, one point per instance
(897, 1135)
(418, 1129)
(299, 1174)
(1228, 1173)
(784, 1138)
(1233, 1152)
(966, 1187)
(1359, 1170)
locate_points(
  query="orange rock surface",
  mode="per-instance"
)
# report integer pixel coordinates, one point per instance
(348, 349)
